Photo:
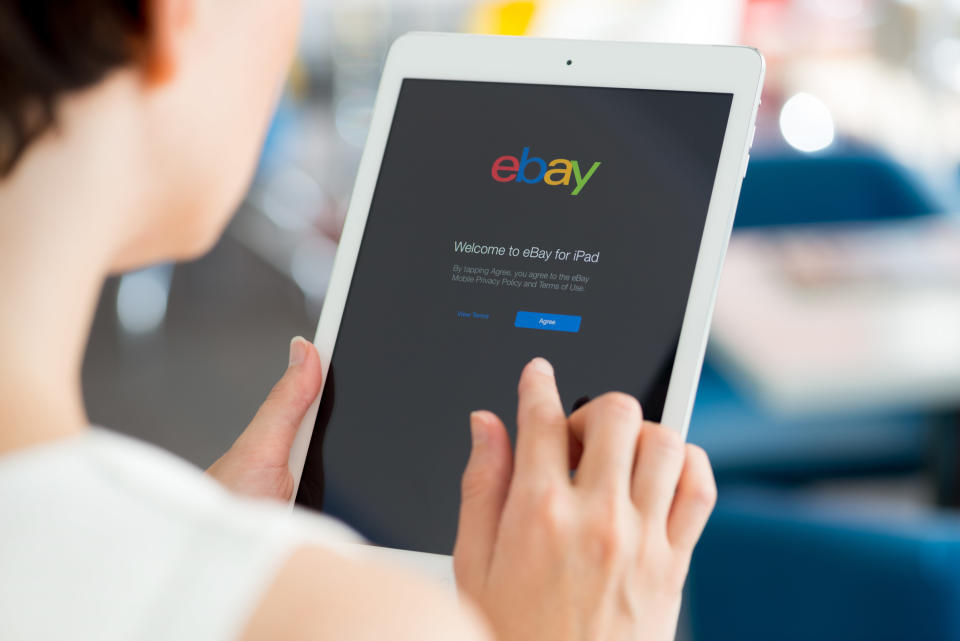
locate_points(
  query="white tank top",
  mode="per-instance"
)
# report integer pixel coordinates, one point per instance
(103, 538)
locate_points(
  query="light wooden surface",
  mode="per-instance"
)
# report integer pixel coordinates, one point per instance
(841, 318)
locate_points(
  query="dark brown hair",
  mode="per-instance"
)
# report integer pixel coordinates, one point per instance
(51, 47)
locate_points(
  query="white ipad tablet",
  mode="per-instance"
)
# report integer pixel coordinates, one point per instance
(518, 198)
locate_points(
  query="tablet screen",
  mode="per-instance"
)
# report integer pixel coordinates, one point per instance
(509, 221)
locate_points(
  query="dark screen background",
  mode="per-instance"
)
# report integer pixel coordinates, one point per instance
(392, 434)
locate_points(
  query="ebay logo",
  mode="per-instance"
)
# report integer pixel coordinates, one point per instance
(532, 170)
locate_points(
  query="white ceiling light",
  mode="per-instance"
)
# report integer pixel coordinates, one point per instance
(806, 123)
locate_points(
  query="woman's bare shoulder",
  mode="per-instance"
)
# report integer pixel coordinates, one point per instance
(319, 595)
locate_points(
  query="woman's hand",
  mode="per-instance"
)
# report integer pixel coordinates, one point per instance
(257, 464)
(600, 556)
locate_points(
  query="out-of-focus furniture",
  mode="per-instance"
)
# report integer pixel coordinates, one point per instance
(846, 343)
(783, 565)
(746, 434)
(842, 369)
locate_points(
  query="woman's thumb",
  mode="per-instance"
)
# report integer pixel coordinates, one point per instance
(486, 481)
(290, 398)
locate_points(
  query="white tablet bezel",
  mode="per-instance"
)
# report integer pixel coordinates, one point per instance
(734, 70)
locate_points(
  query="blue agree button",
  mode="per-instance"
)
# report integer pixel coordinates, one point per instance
(551, 322)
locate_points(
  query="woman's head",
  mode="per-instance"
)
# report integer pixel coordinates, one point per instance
(199, 78)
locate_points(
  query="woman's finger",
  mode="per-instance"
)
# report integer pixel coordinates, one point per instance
(657, 472)
(695, 498)
(608, 427)
(541, 426)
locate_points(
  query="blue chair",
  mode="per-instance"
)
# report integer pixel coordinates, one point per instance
(782, 565)
(790, 189)
(748, 442)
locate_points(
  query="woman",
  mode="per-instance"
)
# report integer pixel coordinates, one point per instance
(129, 130)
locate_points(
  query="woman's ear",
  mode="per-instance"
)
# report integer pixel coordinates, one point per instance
(168, 22)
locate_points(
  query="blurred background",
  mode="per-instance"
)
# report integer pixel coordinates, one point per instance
(830, 400)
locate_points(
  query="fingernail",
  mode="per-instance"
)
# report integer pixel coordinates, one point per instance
(298, 351)
(477, 433)
(542, 365)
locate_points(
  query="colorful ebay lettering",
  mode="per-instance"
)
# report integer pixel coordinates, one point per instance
(533, 170)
